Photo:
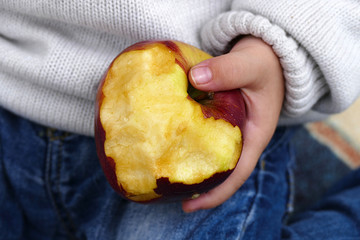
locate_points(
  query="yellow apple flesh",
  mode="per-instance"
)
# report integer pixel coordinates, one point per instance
(155, 141)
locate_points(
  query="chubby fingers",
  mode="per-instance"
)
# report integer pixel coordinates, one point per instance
(252, 66)
(243, 66)
(225, 72)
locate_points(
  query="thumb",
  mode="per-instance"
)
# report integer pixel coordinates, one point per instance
(233, 70)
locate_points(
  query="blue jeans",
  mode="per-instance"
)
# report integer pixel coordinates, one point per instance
(52, 187)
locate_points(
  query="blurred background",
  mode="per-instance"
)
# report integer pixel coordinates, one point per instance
(326, 151)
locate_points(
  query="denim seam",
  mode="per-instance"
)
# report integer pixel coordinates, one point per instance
(48, 185)
(71, 228)
(263, 156)
(291, 181)
(251, 209)
(47, 180)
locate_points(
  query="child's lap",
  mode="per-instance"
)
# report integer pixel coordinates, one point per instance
(52, 187)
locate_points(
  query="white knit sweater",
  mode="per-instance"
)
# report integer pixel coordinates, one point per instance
(54, 53)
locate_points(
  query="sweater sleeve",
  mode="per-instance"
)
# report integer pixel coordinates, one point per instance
(317, 42)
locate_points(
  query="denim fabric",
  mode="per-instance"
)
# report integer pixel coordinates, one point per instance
(335, 217)
(52, 187)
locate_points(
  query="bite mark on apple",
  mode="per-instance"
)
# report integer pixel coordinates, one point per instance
(176, 190)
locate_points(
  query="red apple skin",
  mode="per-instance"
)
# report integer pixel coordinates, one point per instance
(179, 191)
(227, 105)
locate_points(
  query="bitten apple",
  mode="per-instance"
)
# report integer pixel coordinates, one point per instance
(157, 137)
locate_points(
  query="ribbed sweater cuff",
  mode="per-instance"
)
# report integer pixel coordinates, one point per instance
(304, 84)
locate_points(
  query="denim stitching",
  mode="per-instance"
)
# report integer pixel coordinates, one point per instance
(71, 229)
(279, 142)
(291, 187)
(251, 209)
(48, 184)
(47, 180)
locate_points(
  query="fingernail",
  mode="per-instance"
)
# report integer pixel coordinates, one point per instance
(201, 75)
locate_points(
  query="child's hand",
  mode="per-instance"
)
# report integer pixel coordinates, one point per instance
(252, 66)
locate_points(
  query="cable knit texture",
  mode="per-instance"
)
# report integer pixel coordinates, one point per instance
(54, 53)
(317, 43)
